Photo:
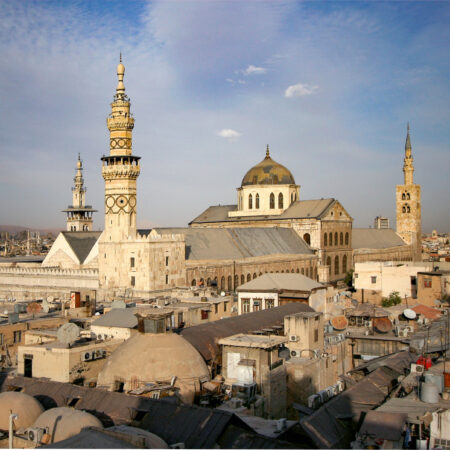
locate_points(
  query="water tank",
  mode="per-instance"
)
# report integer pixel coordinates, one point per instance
(436, 379)
(429, 393)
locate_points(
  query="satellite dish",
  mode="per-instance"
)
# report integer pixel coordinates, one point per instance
(68, 333)
(409, 314)
(339, 323)
(50, 299)
(222, 293)
(97, 314)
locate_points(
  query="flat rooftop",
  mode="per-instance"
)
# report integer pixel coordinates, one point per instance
(254, 341)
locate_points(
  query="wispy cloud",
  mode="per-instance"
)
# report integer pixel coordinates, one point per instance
(300, 90)
(228, 133)
(254, 70)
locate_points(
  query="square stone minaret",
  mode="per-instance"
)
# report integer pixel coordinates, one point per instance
(408, 205)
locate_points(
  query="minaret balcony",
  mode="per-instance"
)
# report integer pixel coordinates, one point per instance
(124, 171)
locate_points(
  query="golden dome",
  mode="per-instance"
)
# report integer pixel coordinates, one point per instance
(268, 171)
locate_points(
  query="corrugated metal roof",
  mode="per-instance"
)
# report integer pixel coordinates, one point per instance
(195, 426)
(398, 361)
(298, 210)
(383, 425)
(118, 317)
(280, 281)
(237, 243)
(374, 238)
(205, 337)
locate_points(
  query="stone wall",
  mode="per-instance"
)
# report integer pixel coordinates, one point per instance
(403, 253)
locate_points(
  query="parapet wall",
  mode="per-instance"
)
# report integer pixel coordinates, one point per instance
(26, 283)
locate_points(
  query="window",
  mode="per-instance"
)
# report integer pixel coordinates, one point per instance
(133, 281)
(204, 314)
(222, 284)
(307, 238)
(194, 282)
(280, 201)
(344, 264)
(257, 304)
(355, 275)
(257, 201)
(17, 337)
(216, 308)
(341, 239)
(373, 280)
(167, 261)
(167, 279)
(242, 279)
(346, 238)
(249, 277)
(254, 275)
(132, 262)
(408, 197)
(336, 265)
(303, 271)
(330, 238)
(208, 281)
(307, 272)
(225, 306)
(246, 305)
(270, 303)
(335, 238)
(236, 281)
(404, 209)
(316, 335)
(329, 262)
(229, 285)
(250, 202)
(403, 196)
(427, 282)
(325, 239)
(272, 201)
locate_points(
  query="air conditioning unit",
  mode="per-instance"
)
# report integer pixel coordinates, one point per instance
(417, 368)
(330, 391)
(86, 356)
(410, 329)
(404, 332)
(314, 401)
(324, 355)
(35, 434)
(293, 338)
(100, 353)
(295, 353)
(367, 323)
(340, 385)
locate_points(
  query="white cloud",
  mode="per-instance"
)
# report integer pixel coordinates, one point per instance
(228, 133)
(254, 70)
(300, 89)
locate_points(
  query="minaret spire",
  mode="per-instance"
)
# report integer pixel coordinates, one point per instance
(408, 167)
(267, 151)
(120, 90)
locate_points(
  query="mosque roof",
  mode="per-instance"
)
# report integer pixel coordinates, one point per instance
(301, 209)
(375, 238)
(268, 171)
(81, 242)
(237, 243)
(281, 281)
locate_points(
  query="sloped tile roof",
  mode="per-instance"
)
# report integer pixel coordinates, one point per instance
(281, 281)
(374, 238)
(81, 242)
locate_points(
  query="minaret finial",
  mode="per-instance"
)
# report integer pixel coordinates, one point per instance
(267, 151)
(408, 139)
(120, 90)
(120, 58)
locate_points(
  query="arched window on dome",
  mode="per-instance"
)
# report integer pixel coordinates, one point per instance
(257, 201)
(250, 201)
(325, 239)
(272, 201)
(280, 201)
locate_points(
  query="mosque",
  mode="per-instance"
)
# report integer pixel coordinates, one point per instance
(269, 229)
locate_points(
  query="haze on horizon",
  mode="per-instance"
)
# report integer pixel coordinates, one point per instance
(329, 86)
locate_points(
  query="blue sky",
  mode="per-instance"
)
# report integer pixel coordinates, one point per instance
(329, 86)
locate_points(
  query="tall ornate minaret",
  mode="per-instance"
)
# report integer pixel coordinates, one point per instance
(409, 223)
(79, 215)
(120, 169)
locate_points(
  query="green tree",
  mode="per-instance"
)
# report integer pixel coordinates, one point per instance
(348, 280)
(393, 299)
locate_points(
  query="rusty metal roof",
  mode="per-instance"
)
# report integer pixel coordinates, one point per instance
(195, 426)
(384, 425)
(205, 337)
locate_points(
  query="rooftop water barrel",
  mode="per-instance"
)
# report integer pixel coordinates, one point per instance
(429, 393)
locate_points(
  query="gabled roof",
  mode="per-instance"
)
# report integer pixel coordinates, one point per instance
(205, 337)
(280, 281)
(374, 238)
(301, 209)
(81, 242)
(237, 243)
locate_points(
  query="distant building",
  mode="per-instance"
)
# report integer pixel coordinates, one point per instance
(381, 222)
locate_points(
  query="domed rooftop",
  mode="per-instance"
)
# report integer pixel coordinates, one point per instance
(25, 406)
(155, 357)
(268, 171)
(65, 422)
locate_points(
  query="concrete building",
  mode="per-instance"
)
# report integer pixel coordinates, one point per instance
(274, 289)
(433, 286)
(375, 280)
(381, 223)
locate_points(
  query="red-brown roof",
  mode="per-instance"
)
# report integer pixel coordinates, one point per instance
(426, 311)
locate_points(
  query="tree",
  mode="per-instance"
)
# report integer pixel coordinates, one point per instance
(348, 280)
(393, 299)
